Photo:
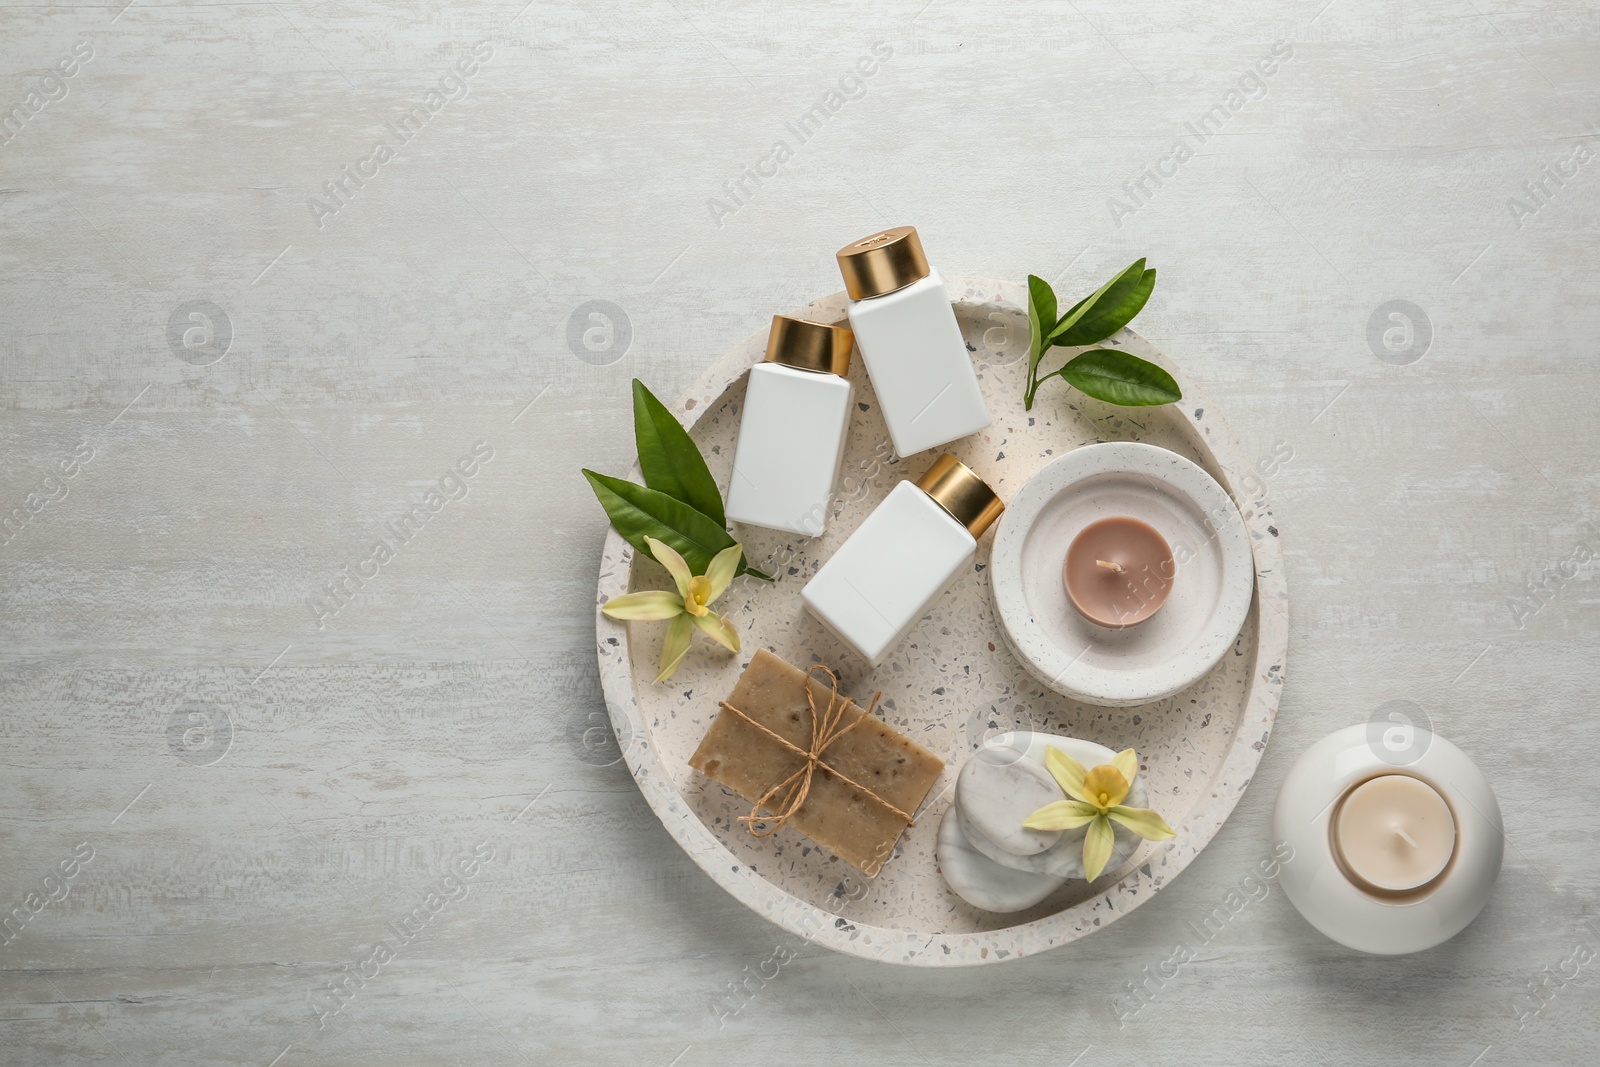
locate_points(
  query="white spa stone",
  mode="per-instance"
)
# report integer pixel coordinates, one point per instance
(996, 790)
(1058, 863)
(982, 882)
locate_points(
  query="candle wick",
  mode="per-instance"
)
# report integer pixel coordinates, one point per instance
(1405, 836)
(1108, 565)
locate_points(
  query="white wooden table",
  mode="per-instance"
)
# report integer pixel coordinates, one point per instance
(241, 749)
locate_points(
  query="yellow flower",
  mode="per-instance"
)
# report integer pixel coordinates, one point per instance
(688, 608)
(1097, 797)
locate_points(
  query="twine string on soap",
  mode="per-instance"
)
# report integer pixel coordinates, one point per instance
(825, 730)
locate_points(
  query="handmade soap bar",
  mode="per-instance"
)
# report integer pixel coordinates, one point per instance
(837, 815)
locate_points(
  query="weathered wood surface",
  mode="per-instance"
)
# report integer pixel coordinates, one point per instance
(264, 799)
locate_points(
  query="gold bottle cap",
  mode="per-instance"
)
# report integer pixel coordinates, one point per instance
(967, 497)
(882, 263)
(810, 345)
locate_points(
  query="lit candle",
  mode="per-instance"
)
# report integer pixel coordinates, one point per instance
(1394, 833)
(1118, 571)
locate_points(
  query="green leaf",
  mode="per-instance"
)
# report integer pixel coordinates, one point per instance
(1072, 312)
(637, 511)
(1082, 308)
(1120, 378)
(671, 462)
(1114, 307)
(1041, 313)
(1041, 317)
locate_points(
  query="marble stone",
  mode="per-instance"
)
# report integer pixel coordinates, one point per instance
(1060, 863)
(982, 882)
(996, 791)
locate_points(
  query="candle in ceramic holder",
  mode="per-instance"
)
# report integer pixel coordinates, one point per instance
(1390, 840)
(1102, 658)
(1118, 571)
(1394, 834)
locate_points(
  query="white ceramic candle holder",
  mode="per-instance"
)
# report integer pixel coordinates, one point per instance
(1316, 881)
(1176, 646)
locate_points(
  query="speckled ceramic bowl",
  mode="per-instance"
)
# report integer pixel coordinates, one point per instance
(952, 683)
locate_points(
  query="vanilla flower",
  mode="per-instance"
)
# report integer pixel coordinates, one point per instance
(688, 608)
(1097, 797)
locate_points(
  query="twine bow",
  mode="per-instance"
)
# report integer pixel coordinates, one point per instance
(825, 730)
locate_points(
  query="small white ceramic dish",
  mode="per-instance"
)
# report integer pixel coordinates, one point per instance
(1320, 891)
(1180, 643)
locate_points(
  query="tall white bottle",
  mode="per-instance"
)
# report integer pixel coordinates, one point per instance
(901, 557)
(792, 432)
(907, 333)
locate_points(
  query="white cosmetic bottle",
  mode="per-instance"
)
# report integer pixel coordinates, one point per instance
(906, 330)
(791, 435)
(902, 556)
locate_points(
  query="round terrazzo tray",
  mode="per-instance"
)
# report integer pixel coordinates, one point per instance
(952, 683)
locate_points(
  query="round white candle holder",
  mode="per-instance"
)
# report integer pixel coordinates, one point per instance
(1176, 646)
(1317, 883)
